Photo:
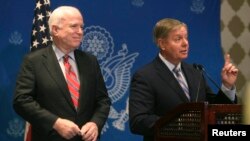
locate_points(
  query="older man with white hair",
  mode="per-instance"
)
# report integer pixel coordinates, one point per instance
(60, 90)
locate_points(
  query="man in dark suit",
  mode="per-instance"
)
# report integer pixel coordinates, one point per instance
(43, 94)
(157, 88)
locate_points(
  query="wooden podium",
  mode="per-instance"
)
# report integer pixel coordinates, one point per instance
(189, 122)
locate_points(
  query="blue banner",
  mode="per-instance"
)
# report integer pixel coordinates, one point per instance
(119, 33)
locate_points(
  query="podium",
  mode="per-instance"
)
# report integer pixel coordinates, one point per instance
(189, 121)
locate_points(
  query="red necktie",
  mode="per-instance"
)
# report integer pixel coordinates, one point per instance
(71, 78)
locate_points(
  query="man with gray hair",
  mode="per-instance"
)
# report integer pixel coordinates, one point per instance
(168, 81)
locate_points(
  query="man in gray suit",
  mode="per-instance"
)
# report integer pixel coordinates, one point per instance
(43, 94)
(157, 88)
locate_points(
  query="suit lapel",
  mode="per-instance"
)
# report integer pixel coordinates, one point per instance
(191, 80)
(166, 74)
(83, 77)
(51, 64)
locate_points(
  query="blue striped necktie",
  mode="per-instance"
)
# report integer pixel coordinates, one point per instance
(181, 81)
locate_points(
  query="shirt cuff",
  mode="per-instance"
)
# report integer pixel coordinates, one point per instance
(230, 93)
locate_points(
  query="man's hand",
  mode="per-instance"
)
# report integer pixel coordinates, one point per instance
(229, 73)
(89, 131)
(66, 128)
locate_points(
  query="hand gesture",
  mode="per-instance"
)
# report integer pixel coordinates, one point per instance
(229, 73)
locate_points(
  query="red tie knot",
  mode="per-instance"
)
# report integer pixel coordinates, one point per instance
(66, 58)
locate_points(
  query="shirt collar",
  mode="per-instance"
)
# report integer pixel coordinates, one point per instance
(168, 64)
(60, 54)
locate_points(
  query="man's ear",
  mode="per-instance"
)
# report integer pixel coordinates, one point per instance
(54, 29)
(160, 43)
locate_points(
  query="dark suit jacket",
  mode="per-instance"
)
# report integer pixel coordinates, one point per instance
(155, 91)
(41, 94)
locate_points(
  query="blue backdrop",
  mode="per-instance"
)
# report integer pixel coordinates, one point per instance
(119, 33)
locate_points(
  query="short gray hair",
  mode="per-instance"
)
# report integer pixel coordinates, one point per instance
(164, 26)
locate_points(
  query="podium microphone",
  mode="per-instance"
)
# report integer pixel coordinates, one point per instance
(199, 84)
(202, 69)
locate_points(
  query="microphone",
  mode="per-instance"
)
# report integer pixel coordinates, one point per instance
(203, 72)
(196, 66)
(202, 69)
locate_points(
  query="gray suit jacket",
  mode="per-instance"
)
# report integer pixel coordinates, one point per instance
(41, 94)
